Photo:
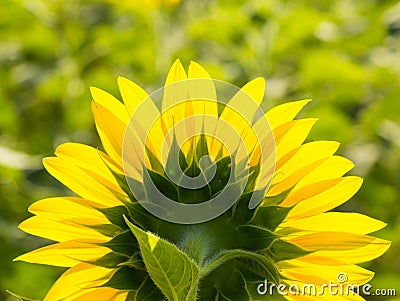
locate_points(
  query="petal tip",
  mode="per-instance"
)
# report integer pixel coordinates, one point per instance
(176, 73)
(177, 61)
(94, 90)
(121, 80)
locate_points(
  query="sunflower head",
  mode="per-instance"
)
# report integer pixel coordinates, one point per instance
(200, 195)
(196, 146)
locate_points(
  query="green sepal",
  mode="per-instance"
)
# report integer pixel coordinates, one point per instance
(193, 169)
(257, 263)
(283, 250)
(216, 183)
(124, 243)
(199, 195)
(141, 217)
(241, 214)
(109, 230)
(170, 269)
(222, 175)
(110, 260)
(194, 196)
(191, 156)
(219, 154)
(276, 200)
(126, 278)
(115, 215)
(270, 217)
(122, 183)
(172, 165)
(162, 183)
(135, 261)
(201, 147)
(254, 238)
(233, 286)
(254, 172)
(154, 162)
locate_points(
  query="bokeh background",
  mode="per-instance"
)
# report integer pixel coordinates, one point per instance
(343, 54)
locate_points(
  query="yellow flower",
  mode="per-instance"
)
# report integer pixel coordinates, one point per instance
(121, 241)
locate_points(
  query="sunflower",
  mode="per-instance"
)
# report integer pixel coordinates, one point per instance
(199, 196)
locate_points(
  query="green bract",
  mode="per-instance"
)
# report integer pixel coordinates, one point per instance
(216, 260)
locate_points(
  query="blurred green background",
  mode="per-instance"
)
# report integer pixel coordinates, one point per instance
(343, 54)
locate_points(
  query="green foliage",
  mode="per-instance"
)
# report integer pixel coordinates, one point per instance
(343, 54)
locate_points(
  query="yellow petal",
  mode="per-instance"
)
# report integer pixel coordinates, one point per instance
(337, 221)
(132, 94)
(60, 231)
(251, 95)
(286, 112)
(313, 200)
(99, 294)
(134, 156)
(71, 208)
(146, 127)
(110, 129)
(197, 71)
(64, 254)
(176, 73)
(334, 167)
(303, 161)
(236, 120)
(231, 120)
(201, 86)
(291, 135)
(110, 103)
(281, 131)
(255, 89)
(321, 293)
(175, 91)
(87, 184)
(89, 158)
(317, 274)
(310, 191)
(76, 280)
(339, 248)
(188, 105)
